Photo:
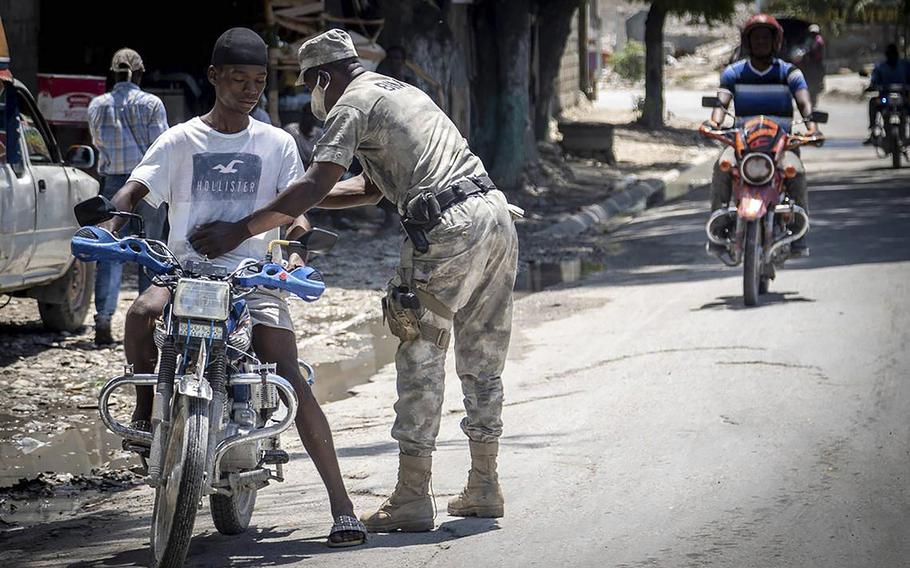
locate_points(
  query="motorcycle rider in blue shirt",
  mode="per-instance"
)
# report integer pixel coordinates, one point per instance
(762, 84)
(892, 71)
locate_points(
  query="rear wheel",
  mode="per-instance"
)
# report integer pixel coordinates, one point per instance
(232, 514)
(180, 488)
(752, 263)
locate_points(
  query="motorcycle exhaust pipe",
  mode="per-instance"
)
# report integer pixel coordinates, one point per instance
(109, 421)
(251, 379)
(783, 241)
(714, 220)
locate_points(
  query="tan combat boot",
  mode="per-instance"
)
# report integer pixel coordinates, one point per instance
(482, 496)
(410, 507)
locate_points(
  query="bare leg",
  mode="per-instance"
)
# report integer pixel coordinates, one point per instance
(139, 342)
(274, 345)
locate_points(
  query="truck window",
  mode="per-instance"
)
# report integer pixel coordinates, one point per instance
(35, 140)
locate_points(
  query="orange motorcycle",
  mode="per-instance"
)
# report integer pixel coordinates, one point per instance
(761, 221)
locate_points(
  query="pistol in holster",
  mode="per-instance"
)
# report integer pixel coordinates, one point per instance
(422, 213)
(403, 310)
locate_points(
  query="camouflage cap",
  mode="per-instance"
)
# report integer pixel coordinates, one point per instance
(333, 45)
(126, 59)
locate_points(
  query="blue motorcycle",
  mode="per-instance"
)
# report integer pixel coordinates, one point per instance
(215, 423)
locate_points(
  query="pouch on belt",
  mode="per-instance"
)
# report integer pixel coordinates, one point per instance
(402, 308)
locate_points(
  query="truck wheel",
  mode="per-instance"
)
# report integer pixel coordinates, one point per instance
(78, 286)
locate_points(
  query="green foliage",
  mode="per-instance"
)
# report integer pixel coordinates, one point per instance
(710, 10)
(847, 8)
(630, 62)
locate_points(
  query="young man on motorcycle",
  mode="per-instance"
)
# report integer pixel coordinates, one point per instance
(762, 84)
(223, 165)
(892, 71)
(457, 267)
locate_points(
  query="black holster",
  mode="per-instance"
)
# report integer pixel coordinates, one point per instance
(417, 234)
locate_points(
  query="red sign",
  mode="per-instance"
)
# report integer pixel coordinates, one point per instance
(64, 99)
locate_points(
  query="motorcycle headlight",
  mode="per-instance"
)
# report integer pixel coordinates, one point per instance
(757, 169)
(202, 299)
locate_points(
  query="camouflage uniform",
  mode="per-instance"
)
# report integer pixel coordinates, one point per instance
(470, 268)
(407, 146)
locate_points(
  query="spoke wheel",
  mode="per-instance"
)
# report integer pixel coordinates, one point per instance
(752, 263)
(180, 489)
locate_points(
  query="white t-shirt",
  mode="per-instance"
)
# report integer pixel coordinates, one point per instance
(205, 175)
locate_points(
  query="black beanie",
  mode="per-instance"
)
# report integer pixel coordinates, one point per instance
(240, 46)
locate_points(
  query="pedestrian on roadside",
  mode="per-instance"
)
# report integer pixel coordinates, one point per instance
(123, 123)
(457, 266)
(813, 63)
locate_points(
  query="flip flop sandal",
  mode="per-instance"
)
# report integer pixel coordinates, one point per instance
(346, 523)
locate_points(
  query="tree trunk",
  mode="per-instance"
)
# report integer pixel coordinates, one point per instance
(653, 114)
(555, 17)
(516, 145)
(501, 132)
(421, 28)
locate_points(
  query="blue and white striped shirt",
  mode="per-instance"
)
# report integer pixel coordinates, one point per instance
(124, 123)
(768, 92)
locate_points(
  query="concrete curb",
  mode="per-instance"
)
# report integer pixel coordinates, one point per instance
(631, 194)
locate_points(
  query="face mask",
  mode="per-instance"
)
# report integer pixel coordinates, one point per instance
(317, 102)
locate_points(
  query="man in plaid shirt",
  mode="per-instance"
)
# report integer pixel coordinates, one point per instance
(123, 124)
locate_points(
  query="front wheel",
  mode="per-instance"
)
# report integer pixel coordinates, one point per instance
(180, 488)
(232, 514)
(895, 135)
(752, 263)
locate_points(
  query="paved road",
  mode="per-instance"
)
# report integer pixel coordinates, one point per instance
(651, 420)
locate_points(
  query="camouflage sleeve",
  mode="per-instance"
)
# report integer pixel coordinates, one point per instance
(344, 130)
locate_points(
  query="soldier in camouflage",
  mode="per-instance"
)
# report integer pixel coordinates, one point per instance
(457, 266)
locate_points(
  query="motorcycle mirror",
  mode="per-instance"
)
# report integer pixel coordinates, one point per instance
(94, 210)
(863, 73)
(316, 241)
(710, 102)
(819, 116)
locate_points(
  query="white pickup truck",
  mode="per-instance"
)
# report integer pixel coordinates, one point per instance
(38, 188)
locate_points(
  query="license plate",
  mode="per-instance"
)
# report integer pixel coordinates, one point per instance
(200, 330)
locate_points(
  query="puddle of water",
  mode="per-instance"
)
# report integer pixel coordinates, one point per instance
(375, 349)
(534, 276)
(85, 446)
(78, 450)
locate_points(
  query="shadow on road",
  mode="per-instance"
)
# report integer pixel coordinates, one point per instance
(258, 547)
(270, 547)
(857, 218)
(736, 302)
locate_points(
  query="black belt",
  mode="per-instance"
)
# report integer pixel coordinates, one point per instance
(424, 210)
(462, 189)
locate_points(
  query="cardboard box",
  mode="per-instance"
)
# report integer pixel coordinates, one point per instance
(64, 99)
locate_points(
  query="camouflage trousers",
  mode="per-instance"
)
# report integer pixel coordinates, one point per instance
(470, 269)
